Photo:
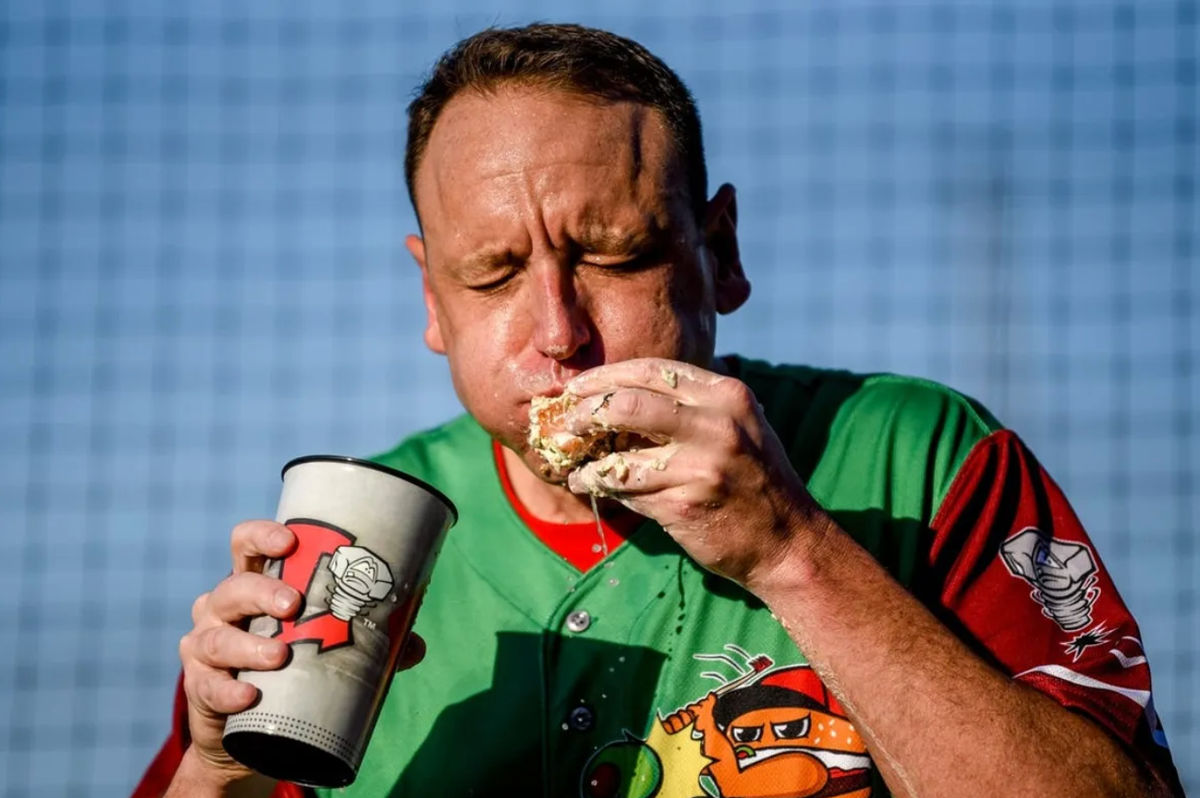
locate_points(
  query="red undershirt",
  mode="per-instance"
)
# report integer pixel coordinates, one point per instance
(578, 544)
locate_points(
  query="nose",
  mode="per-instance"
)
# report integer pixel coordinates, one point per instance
(561, 321)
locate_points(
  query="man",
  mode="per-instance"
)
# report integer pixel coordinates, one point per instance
(806, 583)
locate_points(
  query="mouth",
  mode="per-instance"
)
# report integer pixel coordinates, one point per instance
(834, 761)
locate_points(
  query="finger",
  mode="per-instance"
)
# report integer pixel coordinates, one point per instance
(631, 410)
(215, 693)
(252, 542)
(678, 380)
(412, 652)
(200, 608)
(229, 648)
(247, 595)
(622, 474)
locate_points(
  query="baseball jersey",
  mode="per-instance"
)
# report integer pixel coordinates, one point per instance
(648, 676)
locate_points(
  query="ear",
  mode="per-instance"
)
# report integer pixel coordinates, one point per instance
(433, 331)
(731, 289)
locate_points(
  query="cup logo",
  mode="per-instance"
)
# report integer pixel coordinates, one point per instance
(360, 579)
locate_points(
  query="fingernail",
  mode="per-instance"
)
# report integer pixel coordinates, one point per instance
(268, 651)
(284, 598)
(279, 539)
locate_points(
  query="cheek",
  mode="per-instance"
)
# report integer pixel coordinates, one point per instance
(475, 333)
(691, 296)
(493, 369)
(638, 319)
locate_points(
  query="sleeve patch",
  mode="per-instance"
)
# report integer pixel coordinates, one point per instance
(1062, 574)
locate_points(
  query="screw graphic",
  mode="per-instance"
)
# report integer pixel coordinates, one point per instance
(1062, 574)
(359, 578)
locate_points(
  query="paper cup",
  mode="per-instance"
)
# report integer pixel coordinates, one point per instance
(367, 539)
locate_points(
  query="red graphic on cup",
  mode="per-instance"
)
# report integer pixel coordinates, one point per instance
(360, 578)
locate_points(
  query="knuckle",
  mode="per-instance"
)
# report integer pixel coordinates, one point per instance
(240, 536)
(627, 404)
(203, 692)
(211, 645)
(253, 537)
(199, 606)
(739, 396)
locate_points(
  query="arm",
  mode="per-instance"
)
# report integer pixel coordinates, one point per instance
(722, 486)
(972, 730)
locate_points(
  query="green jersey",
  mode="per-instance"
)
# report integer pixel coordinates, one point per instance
(543, 681)
(648, 676)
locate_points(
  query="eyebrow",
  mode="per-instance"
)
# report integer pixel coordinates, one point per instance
(616, 241)
(485, 259)
(599, 239)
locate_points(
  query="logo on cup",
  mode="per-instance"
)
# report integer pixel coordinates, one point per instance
(360, 578)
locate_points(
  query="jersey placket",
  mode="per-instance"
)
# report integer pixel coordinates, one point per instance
(599, 683)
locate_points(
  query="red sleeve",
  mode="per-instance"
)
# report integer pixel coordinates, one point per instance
(158, 776)
(1018, 576)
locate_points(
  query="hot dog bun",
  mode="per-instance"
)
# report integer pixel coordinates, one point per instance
(561, 449)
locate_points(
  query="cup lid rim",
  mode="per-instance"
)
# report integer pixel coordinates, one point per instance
(374, 466)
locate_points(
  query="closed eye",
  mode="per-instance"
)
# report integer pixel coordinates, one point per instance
(792, 729)
(623, 263)
(496, 282)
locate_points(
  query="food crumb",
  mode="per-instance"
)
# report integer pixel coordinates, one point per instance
(621, 469)
(670, 376)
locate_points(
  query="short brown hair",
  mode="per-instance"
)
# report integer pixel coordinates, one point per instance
(574, 58)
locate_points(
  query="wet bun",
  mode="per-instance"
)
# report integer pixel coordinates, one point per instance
(549, 437)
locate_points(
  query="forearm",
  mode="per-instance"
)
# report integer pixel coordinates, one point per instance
(196, 778)
(938, 720)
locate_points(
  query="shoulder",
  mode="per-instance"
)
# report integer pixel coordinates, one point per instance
(917, 405)
(860, 401)
(882, 427)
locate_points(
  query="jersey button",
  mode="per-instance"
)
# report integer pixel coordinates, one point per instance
(579, 621)
(582, 718)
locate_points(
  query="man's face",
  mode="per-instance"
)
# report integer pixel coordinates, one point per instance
(558, 235)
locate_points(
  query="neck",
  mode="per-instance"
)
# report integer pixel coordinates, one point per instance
(554, 503)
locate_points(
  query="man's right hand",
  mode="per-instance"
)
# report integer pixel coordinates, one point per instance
(218, 644)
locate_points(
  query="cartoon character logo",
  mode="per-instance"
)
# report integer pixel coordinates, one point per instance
(767, 733)
(1062, 574)
(360, 578)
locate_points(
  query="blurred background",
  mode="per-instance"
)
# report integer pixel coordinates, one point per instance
(202, 275)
